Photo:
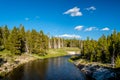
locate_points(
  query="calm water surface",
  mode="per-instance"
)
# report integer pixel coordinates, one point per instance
(47, 69)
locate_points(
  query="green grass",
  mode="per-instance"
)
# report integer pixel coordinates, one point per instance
(52, 53)
(71, 49)
(56, 52)
(70, 60)
(7, 55)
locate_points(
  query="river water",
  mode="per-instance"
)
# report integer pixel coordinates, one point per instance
(47, 69)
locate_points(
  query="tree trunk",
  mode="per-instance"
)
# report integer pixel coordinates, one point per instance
(59, 42)
(62, 43)
(81, 47)
(49, 43)
(113, 56)
(54, 44)
(26, 48)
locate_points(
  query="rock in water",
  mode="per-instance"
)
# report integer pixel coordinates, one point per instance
(103, 74)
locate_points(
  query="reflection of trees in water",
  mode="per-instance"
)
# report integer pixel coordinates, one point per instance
(16, 74)
(47, 69)
(35, 70)
(55, 62)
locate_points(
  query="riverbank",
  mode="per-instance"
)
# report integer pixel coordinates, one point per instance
(96, 70)
(9, 61)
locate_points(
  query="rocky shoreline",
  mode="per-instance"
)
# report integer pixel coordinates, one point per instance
(94, 71)
(8, 66)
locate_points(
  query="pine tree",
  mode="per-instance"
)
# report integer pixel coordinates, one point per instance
(5, 36)
(112, 47)
(44, 43)
(1, 39)
(14, 42)
(34, 39)
(118, 45)
(22, 38)
(102, 42)
(28, 43)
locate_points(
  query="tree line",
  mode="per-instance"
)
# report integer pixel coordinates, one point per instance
(19, 41)
(106, 49)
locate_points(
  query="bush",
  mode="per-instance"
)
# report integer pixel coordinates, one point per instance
(1, 48)
(117, 62)
(75, 57)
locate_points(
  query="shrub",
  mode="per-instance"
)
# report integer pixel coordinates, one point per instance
(117, 62)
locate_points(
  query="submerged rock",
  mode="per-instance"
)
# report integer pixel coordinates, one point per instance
(96, 72)
(103, 74)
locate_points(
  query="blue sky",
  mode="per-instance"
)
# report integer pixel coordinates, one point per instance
(64, 18)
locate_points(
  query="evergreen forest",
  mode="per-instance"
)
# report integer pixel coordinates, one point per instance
(20, 41)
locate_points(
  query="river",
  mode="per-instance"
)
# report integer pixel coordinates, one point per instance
(58, 68)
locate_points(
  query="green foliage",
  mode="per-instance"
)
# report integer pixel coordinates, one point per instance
(75, 58)
(105, 50)
(36, 42)
(19, 41)
(5, 36)
(1, 38)
(14, 41)
(71, 43)
(29, 42)
(22, 38)
(117, 62)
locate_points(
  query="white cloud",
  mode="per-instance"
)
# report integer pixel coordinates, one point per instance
(91, 28)
(69, 36)
(74, 12)
(26, 19)
(92, 8)
(105, 29)
(78, 28)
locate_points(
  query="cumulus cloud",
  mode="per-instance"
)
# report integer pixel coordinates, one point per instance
(105, 29)
(78, 28)
(26, 19)
(92, 8)
(69, 36)
(91, 28)
(74, 12)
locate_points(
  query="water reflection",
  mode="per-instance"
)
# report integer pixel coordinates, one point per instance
(35, 70)
(47, 69)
